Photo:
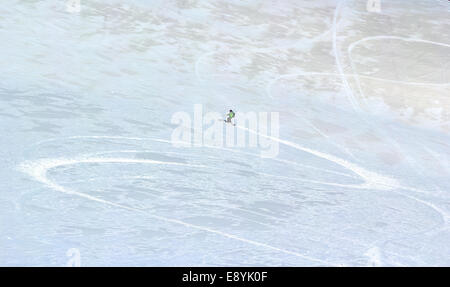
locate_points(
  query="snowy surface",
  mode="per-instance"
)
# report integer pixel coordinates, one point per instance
(86, 99)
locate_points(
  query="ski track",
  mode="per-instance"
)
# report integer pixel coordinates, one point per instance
(245, 153)
(383, 37)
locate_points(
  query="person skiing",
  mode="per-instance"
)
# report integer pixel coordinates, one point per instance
(230, 115)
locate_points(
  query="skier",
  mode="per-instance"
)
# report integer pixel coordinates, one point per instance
(230, 115)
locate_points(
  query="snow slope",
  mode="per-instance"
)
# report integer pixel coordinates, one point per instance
(86, 103)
